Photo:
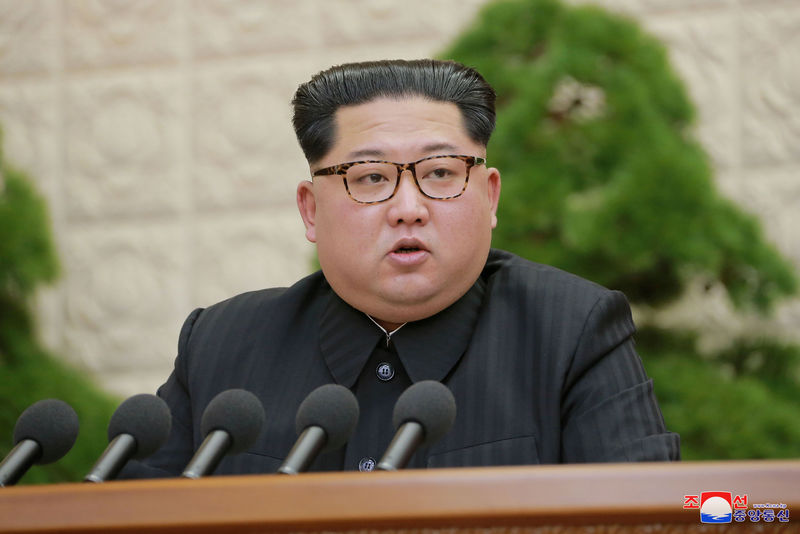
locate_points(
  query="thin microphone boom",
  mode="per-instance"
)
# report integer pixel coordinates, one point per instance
(208, 456)
(325, 420)
(405, 442)
(305, 449)
(422, 415)
(231, 422)
(108, 465)
(19, 460)
(138, 428)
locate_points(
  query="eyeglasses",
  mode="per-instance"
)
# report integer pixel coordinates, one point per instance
(437, 177)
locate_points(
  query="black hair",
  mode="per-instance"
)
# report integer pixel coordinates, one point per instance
(316, 101)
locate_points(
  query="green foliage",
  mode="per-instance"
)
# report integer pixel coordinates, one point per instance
(28, 373)
(722, 415)
(601, 175)
(739, 403)
(26, 248)
(773, 362)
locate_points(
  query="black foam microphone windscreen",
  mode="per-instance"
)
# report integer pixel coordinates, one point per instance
(44, 432)
(429, 403)
(422, 415)
(325, 420)
(231, 423)
(139, 426)
(237, 412)
(145, 417)
(51, 423)
(333, 408)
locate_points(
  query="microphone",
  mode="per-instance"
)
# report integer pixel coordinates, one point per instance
(44, 432)
(422, 415)
(138, 428)
(325, 420)
(231, 423)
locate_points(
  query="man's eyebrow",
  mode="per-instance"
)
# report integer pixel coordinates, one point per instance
(366, 152)
(378, 153)
(435, 147)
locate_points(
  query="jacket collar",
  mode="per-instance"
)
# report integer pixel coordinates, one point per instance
(428, 349)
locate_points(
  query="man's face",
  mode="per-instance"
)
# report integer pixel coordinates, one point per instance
(411, 256)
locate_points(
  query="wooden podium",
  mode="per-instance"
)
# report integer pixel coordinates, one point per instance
(596, 498)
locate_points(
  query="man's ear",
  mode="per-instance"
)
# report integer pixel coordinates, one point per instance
(493, 190)
(307, 205)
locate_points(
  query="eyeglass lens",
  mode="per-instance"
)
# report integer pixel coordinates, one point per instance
(438, 178)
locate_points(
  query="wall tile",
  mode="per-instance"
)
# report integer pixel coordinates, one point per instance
(109, 33)
(122, 142)
(378, 22)
(773, 195)
(353, 52)
(642, 7)
(123, 295)
(770, 81)
(27, 37)
(28, 119)
(703, 51)
(243, 148)
(128, 382)
(786, 320)
(230, 27)
(234, 254)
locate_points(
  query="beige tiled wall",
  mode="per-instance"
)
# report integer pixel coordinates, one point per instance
(159, 132)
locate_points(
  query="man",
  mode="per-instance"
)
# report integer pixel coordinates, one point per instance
(401, 206)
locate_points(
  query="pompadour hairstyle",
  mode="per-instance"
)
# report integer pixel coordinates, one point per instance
(316, 101)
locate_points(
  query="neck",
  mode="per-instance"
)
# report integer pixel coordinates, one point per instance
(388, 328)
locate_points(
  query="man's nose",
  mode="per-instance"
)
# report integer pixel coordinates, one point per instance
(408, 205)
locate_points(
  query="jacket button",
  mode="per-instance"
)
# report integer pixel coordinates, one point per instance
(366, 464)
(385, 371)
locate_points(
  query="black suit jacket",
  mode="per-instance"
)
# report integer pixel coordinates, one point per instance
(545, 373)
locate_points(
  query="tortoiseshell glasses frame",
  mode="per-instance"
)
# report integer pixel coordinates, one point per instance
(342, 169)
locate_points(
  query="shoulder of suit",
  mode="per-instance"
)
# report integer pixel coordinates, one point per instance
(506, 268)
(272, 298)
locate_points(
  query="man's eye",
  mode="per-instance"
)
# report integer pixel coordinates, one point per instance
(373, 178)
(439, 173)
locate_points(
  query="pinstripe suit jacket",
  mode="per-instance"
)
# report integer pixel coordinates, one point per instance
(545, 372)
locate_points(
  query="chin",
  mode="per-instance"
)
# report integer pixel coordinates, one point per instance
(412, 304)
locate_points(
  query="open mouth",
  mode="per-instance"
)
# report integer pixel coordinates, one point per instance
(409, 248)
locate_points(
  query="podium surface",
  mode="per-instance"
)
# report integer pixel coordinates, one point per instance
(647, 497)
